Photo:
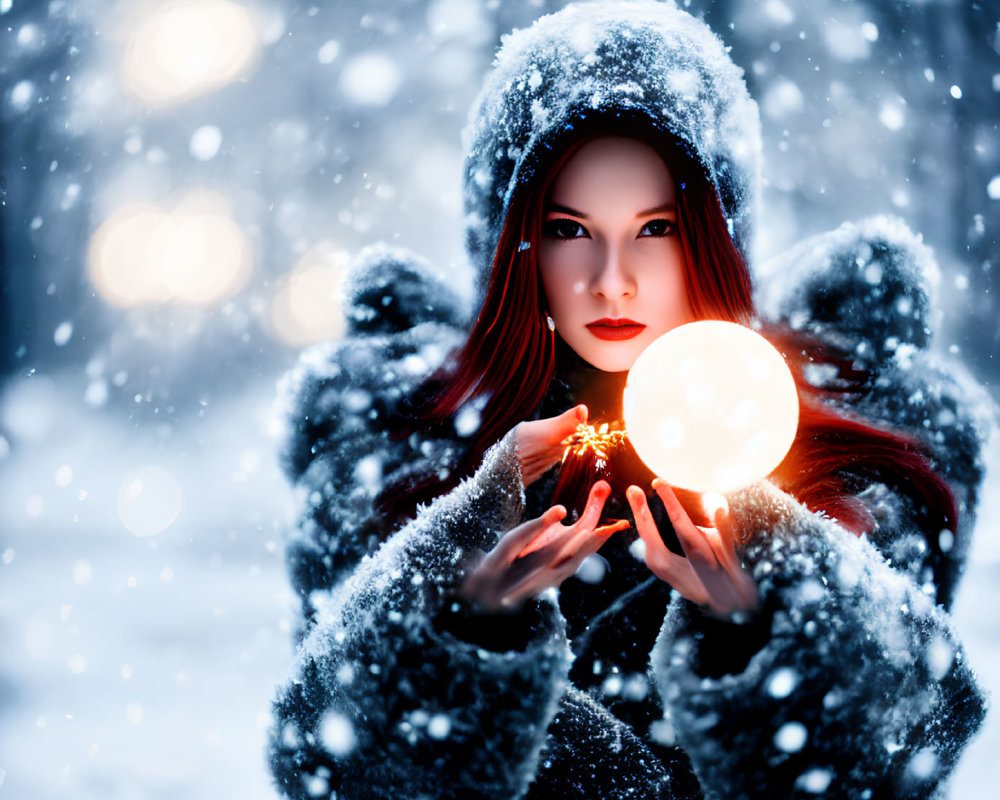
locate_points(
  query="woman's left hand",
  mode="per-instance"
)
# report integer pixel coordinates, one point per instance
(711, 574)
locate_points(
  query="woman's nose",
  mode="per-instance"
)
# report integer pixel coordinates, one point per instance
(613, 279)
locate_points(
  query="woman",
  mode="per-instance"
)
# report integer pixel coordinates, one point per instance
(772, 652)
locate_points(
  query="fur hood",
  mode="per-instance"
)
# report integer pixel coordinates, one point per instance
(601, 60)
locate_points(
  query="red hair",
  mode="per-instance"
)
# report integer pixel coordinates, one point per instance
(508, 360)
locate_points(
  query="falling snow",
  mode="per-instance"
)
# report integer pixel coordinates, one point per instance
(337, 734)
(21, 95)
(328, 52)
(791, 737)
(371, 79)
(205, 142)
(63, 333)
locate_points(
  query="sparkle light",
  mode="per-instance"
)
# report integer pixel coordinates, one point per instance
(186, 48)
(194, 253)
(711, 406)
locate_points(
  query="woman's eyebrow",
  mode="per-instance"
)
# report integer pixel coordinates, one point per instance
(556, 208)
(671, 207)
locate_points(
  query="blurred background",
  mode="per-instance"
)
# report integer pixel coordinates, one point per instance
(182, 183)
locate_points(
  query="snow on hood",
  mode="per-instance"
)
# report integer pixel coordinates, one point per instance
(599, 60)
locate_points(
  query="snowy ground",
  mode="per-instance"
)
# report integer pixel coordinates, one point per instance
(143, 666)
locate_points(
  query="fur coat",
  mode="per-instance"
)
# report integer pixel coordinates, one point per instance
(849, 681)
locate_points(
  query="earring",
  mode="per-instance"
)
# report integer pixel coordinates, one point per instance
(551, 323)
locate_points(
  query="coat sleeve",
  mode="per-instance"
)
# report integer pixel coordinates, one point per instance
(860, 689)
(398, 690)
(850, 681)
(384, 701)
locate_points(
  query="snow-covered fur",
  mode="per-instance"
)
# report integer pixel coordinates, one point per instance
(849, 680)
(401, 322)
(602, 60)
(868, 288)
(848, 683)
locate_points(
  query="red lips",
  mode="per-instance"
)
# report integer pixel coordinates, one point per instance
(615, 329)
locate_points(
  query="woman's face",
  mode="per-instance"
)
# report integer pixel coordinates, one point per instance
(609, 256)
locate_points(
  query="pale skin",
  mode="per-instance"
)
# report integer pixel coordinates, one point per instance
(609, 252)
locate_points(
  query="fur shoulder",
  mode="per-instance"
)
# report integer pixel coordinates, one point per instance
(865, 287)
(401, 323)
(390, 289)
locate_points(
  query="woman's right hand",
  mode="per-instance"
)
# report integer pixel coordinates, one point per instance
(540, 443)
(539, 554)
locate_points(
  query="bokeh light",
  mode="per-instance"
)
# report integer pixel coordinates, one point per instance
(193, 253)
(187, 48)
(307, 306)
(149, 500)
(711, 406)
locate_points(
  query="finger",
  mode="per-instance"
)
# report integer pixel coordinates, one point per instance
(572, 418)
(656, 555)
(517, 539)
(696, 547)
(586, 540)
(560, 544)
(612, 528)
(591, 515)
(530, 586)
(553, 531)
(746, 588)
(718, 547)
(601, 535)
(667, 566)
(645, 525)
(724, 525)
(721, 539)
(707, 556)
(552, 571)
(712, 503)
(716, 508)
(542, 435)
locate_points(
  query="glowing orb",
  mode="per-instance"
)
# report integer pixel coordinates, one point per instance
(711, 406)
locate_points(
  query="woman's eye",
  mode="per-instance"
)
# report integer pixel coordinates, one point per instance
(658, 227)
(564, 229)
